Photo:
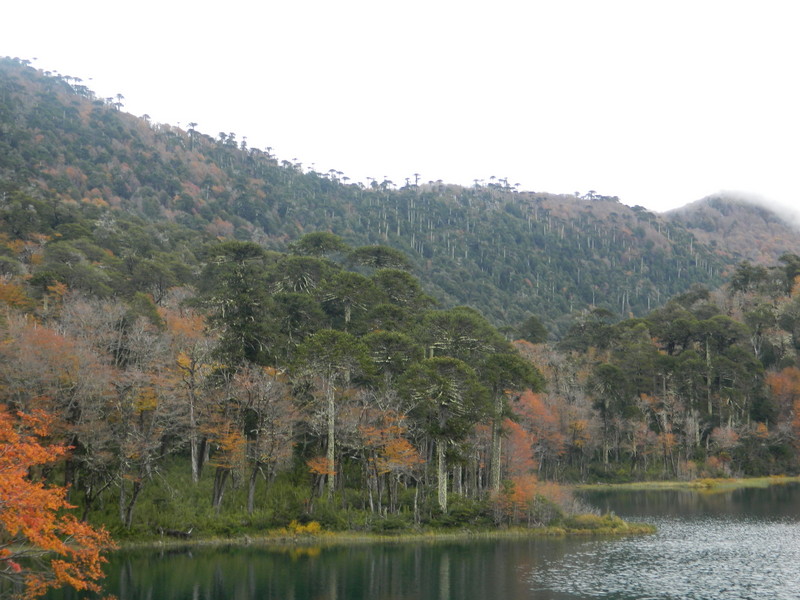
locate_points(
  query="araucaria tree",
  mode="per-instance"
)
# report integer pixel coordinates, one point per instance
(447, 399)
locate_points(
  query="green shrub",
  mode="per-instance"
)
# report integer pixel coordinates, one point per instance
(590, 522)
(391, 524)
(463, 512)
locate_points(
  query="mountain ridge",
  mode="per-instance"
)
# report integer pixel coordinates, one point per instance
(746, 228)
(508, 253)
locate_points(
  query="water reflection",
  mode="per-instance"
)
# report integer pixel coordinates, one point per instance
(443, 571)
(773, 502)
(742, 544)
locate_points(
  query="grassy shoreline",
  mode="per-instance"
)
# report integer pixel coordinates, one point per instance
(577, 526)
(706, 484)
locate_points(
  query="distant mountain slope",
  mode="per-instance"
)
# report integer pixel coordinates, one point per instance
(507, 253)
(740, 228)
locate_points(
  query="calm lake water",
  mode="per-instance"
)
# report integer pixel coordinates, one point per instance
(734, 545)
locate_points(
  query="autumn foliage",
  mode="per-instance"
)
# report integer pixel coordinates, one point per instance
(41, 546)
(275, 378)
(785, 388)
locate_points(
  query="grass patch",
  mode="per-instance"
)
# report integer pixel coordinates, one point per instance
(608, 524)
(706, 484)
(313, 535)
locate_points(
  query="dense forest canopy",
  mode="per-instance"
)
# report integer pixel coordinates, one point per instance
(507, 253)
(225, 338)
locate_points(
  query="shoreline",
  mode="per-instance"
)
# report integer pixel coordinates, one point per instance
(707, 484)
(582, 525)
(336, 538)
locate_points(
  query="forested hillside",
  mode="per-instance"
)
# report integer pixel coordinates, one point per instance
(507, 253)
(214, 362)
(740, 228)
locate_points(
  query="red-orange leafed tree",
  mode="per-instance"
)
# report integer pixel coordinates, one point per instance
(230, 445)
(541, 421)
(387, 452)
(785, 389)
(192, 374)
(41, 547)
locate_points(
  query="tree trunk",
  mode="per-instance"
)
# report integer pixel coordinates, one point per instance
(197, 444)
(126, 504)
(196, 457)
(123, 501)
(441, 464)
(91, 494)
(331, 456)
(416, 502)
(220, 477)
(251, 489)
(379, 487)
(369, 491)
(496, 445)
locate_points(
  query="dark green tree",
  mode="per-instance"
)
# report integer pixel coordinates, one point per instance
(234, 290)
(347, 292)
(447, 400)
(303, 274)
(392, 352)
(319, 243)
(402, 289)
(379, 257)
(533, 330)
(461, 333)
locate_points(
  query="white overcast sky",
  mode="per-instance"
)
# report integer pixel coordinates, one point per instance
(658, 102)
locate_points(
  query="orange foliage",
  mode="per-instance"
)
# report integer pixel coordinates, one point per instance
(519, 454)
(32, 522)
(319, 466)
(761, 431)
(184, 324)
(394, 453)
(525, 495)
(785, 388)
(579, 433)
(220, 228)
(542, 422)
(398, 454)
(13, 295)
(230, 443)
(524, 489)
(36, 259)
(58, 290)
(16, 246)
(38, 361)
(528, 487)
(667, 441)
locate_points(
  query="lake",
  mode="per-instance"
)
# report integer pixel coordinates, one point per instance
(740, 544)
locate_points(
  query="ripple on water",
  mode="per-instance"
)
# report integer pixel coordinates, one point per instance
(702, 559)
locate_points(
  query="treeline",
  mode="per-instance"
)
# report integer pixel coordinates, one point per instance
(323, 384)
(704, 386)
(327, 366)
